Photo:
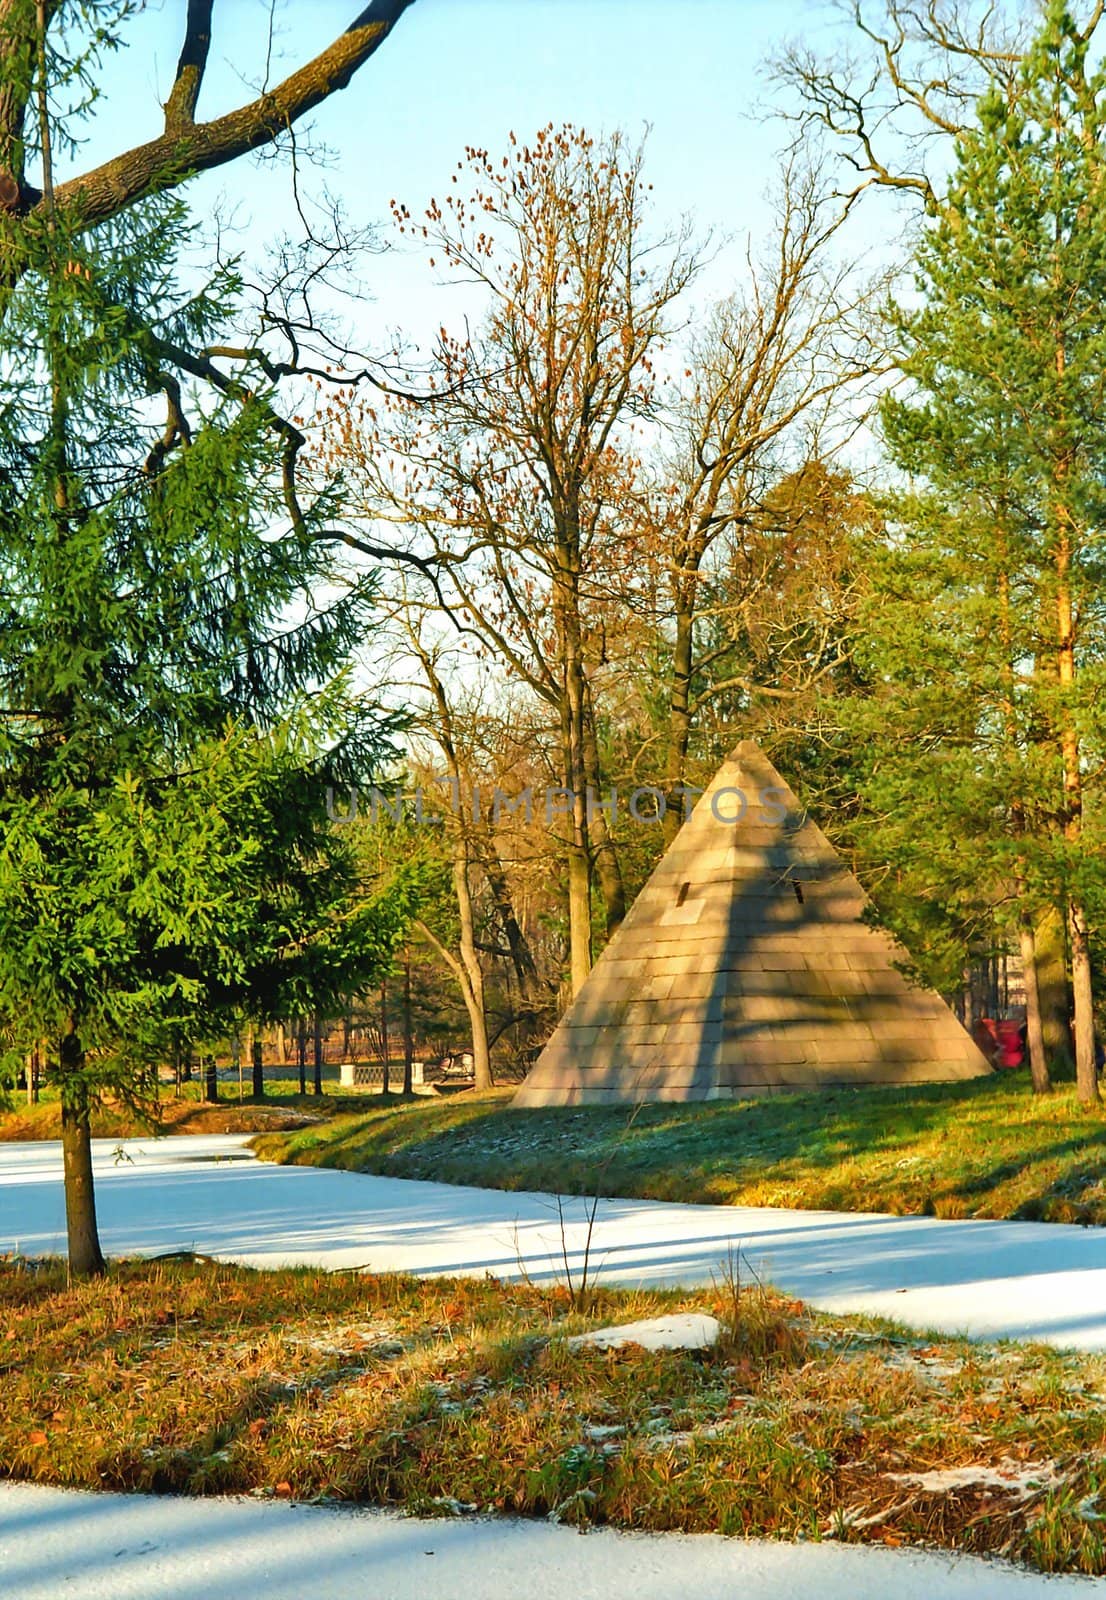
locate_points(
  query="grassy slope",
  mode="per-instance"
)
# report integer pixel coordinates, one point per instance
(284, 1109)
(440, 1395)
(986, 1148)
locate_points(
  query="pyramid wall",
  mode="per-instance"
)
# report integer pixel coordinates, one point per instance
(744, 967)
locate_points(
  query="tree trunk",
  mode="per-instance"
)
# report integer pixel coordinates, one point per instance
(258, 1053)
(579, 868)
(1052, 983)
(1035, 1039)
(679, 722)
(481, 1053)
(522, 959)
(86, 1259)
(211, 1079)
(1086, 1068)
(385, 1079)
(408, 1042)
(471, 974)
(532, 999)
(467, 970)
(579, 915)
(572, 712)
(474, 1005)
(607, 867)
(317, 1083)
(301, 1052)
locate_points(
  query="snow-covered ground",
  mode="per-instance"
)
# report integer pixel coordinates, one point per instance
(57, 1543)
(210, 1194)
(998, 1279)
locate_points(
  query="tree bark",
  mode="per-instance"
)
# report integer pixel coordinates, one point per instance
(186, 147)
(1035, 1039)
(679, 720)
(317, 1082)
(301, 1053)
(385, 1049)
(258, 1066)
(522, 959)
(467, 970)
(1086, 1067)
(19, 35)
(211, 1079)
(473, 986)
(579, 866)
(408, 1042)
(34, 1069)
(1052, 983)
(1086, 1070)
(86, 1259)
(607, 867)
(474, 1005)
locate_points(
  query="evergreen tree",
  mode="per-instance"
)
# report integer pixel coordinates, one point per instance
(987, 622)
(172, 692)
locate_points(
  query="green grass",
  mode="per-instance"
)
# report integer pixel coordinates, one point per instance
(439, 1395)
(985, 1148)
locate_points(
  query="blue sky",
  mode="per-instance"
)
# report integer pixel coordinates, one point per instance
(469, 71)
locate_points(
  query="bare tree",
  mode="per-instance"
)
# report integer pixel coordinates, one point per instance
(507, 485)
(777, 378)
(464, 964)
(908, 82)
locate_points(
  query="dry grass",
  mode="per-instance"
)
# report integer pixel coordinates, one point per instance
(282, 1111)
(986, 1148)
(446, 1395)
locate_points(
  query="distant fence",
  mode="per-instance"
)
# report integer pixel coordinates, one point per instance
(370, 1074)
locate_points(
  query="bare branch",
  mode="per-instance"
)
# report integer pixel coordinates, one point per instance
(180, 108)
(177, 429)
(186, 147)
(925, 66)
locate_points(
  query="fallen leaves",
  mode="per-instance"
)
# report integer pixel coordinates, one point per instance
(440, 1397)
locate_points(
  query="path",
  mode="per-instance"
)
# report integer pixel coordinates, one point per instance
(208, 1193)
(129, 1547)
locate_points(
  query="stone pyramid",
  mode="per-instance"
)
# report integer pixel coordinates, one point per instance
(745, 968)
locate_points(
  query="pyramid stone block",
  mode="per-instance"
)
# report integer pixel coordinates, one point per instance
(744, 968)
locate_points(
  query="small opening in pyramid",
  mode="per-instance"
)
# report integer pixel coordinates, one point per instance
(682, 896)
(798, 888)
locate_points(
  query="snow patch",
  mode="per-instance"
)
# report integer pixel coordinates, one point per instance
(690, 1330)
(1022, 1479)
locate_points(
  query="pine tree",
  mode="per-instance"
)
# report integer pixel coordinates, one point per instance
(989, 607)
(172, 692)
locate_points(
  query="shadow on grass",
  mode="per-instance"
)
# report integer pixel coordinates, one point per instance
(986, 1146)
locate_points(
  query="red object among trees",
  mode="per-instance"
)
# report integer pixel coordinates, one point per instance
(1010, 1040)
(1002, 1042)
